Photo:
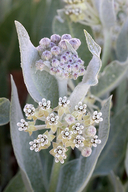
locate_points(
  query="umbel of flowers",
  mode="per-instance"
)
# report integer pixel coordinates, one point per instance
(71, 128)
(58, 59)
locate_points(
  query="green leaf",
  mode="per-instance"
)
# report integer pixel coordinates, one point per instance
(126, 161)
(117, 185)
(16, 184)
(4, 111)
(28, 161)
(91, 74)
(107, 13)
(116, 145)
(39, 84)
(75, 174)
(111, 77)
(122, 43)
(62, 25)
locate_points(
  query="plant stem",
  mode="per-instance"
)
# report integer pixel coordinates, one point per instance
(106, 48)
(62, 86)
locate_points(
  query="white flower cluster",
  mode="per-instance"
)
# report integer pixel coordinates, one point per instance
(74, 128)
(57, 59)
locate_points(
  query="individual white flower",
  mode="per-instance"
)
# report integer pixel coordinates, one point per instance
(44, 105)
(81, 107)
(95, 141)
(53, 119)
(29, 110)
(43, 139)
(79, 141)
(97, 116)
(63, 102)
(23, 125)
(78, 128)
(35, 145)
(66, 133)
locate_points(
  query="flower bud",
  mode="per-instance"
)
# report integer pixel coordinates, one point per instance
(66, 36)
(55, 38)
(46, 55)
(55, 50)
(45, 42)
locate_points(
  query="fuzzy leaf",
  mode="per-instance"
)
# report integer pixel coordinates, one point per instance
(39, 84)
(116, 145)
(107, 13)
(126, 161)
(75, 175)
(117, 185)
(89, 79)
(122, 43)
(113, 74)
(4, 111)
(93, 47)
(28, 161)
(16, 184)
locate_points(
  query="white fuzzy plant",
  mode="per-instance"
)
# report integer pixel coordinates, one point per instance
(69, 120)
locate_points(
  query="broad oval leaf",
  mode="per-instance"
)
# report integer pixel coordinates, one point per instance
(28, 161)
(116, 144)
(4, 111)
(39, 84)
(16, 184)
(122, 43)
(107, 13)
(75, 175)
(113, 74)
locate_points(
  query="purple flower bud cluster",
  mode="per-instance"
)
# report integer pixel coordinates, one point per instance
(62, 62)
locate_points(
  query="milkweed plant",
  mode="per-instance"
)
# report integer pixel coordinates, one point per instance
(59, 138)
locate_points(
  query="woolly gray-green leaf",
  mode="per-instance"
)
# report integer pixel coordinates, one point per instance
(93, 47)
(28, 161)
(39, 84)
(122, 43)
(113, 74)
(117, 185)
(116, 145)
(16, 184)
(91, 74)
(4, 111)
(126, 161)
(75, 174)
(89, 79)
(107, 13)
